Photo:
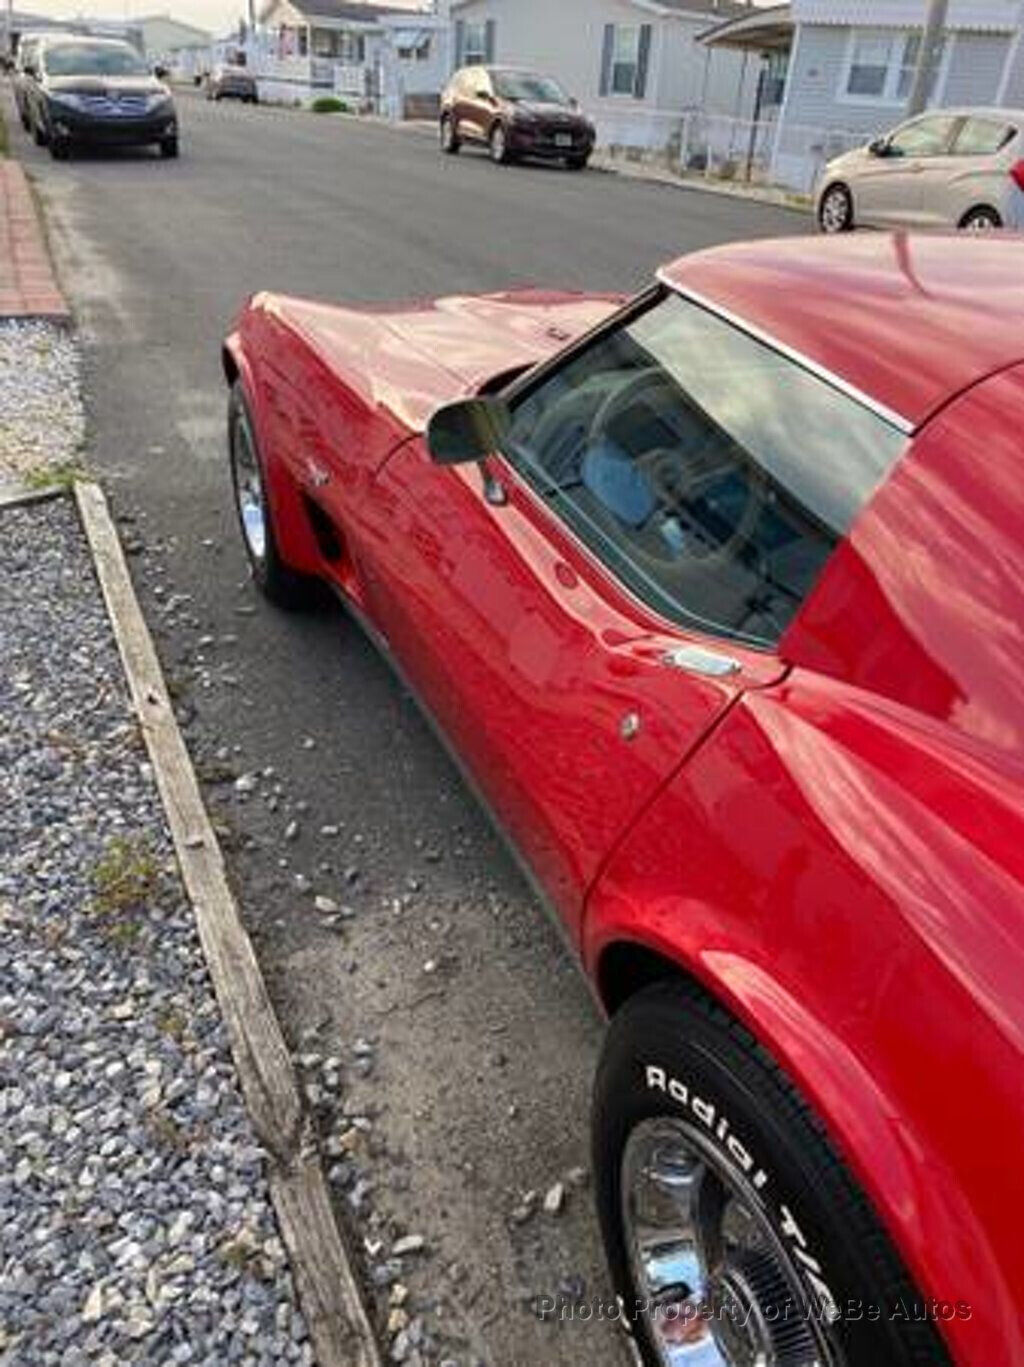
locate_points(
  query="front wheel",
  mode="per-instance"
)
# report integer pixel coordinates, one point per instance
(733, 1231)
(169, 148)
(274, 579)
(39, 134)
(835, 212)
(60, 149)
(498, 144)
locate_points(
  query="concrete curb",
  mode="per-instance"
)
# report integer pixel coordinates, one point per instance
(329, 1290)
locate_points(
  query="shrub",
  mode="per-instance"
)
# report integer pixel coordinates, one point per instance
(329, 104)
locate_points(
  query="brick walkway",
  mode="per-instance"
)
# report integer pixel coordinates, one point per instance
(28, 288)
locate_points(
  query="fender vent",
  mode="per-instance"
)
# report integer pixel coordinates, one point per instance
(328, 539)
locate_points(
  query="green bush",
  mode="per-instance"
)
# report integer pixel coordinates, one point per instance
(329, 104)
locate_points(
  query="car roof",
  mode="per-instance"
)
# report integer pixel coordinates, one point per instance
(905, 320)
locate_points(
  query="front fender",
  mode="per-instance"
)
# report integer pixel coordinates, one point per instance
(819, 869)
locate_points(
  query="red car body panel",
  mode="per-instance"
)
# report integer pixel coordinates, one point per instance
(832, 840)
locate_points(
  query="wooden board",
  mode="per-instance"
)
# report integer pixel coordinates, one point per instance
(329, 1291)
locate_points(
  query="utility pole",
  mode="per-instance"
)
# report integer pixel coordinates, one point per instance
(928, 56)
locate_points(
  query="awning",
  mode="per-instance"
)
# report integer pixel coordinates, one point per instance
(761, 30)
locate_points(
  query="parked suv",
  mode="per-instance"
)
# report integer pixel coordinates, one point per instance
(958, 168)
(514, 114)
(97, 90)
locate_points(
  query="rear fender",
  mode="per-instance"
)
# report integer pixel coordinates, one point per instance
(825, 900)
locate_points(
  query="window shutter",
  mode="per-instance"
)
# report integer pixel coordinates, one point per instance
(460, 42)
(489, 43)
(643, 61)
(606, 58)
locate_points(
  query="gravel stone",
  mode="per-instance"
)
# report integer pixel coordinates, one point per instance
(135, 1220)
(41, 419)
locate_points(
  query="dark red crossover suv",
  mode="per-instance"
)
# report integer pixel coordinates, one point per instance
(514, 114)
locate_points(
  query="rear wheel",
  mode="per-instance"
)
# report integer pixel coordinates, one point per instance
(274, 579)
(26, 122)
(449, 141)
(981, 219)
(835, 212)
(577, 163)
(498, 144)
(733, 1231)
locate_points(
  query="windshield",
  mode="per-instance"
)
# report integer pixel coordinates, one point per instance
(85, 59)
(520, 85)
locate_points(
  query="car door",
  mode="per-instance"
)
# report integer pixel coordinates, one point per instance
(579, 633)
(477, 104)
(890, 187)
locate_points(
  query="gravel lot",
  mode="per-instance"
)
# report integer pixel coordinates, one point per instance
(40, 405)
(135, 1224)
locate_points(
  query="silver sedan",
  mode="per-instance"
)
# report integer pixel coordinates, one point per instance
(955, 168)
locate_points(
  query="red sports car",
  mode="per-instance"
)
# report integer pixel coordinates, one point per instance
(718, 596)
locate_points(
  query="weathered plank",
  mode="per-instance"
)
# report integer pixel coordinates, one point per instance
(331, 1298)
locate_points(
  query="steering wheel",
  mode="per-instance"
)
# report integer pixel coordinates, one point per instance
(627, 389)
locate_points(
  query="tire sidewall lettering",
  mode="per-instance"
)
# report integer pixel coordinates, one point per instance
(713, 1121)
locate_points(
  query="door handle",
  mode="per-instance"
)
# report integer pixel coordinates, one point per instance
(697, 660)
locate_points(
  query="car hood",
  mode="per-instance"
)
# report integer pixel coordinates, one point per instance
(106, 85)
(410, 358)
(538, 109)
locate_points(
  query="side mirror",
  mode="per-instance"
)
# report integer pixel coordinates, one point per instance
(879, 147)
(467, 430)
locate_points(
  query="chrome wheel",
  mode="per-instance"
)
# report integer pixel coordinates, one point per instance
(499, 144)
(249, 489)
(836, 212)
(718, 1286)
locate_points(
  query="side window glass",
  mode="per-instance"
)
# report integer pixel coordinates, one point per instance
(710, 474)
(923, 138)
(982, 137)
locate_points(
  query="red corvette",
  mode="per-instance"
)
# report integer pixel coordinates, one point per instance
(718, 596)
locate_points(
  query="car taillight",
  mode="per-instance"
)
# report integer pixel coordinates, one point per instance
(1017, 174)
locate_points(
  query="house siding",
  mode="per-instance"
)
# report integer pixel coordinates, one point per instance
(975, 68)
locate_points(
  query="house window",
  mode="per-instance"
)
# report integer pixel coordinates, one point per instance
(625, 59)
(474, 52)
(881, 66)
(413, 47)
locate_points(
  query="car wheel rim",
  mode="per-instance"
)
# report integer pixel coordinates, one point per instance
(980, 223)
(498, 144)
(711, 1272)
(834, 212)
(249, 490)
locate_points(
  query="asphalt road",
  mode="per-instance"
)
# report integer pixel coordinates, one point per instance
(484, 1036)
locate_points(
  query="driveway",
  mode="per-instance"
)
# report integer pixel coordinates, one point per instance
(477, 1038)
